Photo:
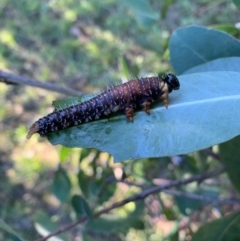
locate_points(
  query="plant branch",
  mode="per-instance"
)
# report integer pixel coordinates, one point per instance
(9, 78)
(139, 196)
(214, 155)
(202, 197)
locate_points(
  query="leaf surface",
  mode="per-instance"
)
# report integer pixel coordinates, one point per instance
(61, 185)
(194, 45)
(204, 112)
(227, 64)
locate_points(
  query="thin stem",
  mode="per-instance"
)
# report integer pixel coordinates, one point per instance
(202, 197)
(9, 78)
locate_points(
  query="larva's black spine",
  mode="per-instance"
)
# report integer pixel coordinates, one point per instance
(127, 97)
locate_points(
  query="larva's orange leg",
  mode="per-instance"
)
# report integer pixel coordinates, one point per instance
(165, 101)
(146, 106)
(164, 97)
(129, 113)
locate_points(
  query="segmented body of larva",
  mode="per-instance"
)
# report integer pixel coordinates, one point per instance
(126, 97)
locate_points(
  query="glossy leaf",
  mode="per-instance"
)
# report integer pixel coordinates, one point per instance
(80, 206)
(226, 64)
(224, 229)
(204, 112)
(230, 154)
(192, 46)
(61, 185)
(13, 234)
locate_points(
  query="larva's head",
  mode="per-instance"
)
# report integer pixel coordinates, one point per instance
(172, 82)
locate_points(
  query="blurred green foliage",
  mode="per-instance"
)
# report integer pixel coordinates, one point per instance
(87, 45)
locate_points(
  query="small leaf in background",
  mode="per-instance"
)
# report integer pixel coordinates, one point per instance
(230, 29)
(81, 207)
(127, 69)
(64, 153)
(44, 226)
(13, 235)
(230, 154)
(61, 185)
(165, 7)
(188, 47)
(83, 182)
(62, 104)
(186, 205)
(84, 153)
(237, 3)
(97, 189)
(173, 235)
(105, 189)
(223, 229)
(144, 13)
(124, 67)
(88, 237)
(111, 225)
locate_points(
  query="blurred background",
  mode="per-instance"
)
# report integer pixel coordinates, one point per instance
(87, 45)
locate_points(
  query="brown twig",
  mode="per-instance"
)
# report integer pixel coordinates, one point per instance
(9, 78)
(140, 196)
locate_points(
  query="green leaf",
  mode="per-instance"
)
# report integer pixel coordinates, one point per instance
(44, 226)
(173, 235)
(141, 6)
(111, 225)
(201, 114)
(87, 237)
(61, 104)
(83, 154)
(14, 235)
(226, 64)
(237, 3)
(165, 7)
(80, 206)
(144, 13)
(61, 185)
(230, 153)
(83, 182)
(64, 153)
(127, 69)
(228, 28)
(124, 67)
(97, 189)
(224, 229)
(192, 46)
(186, 205)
